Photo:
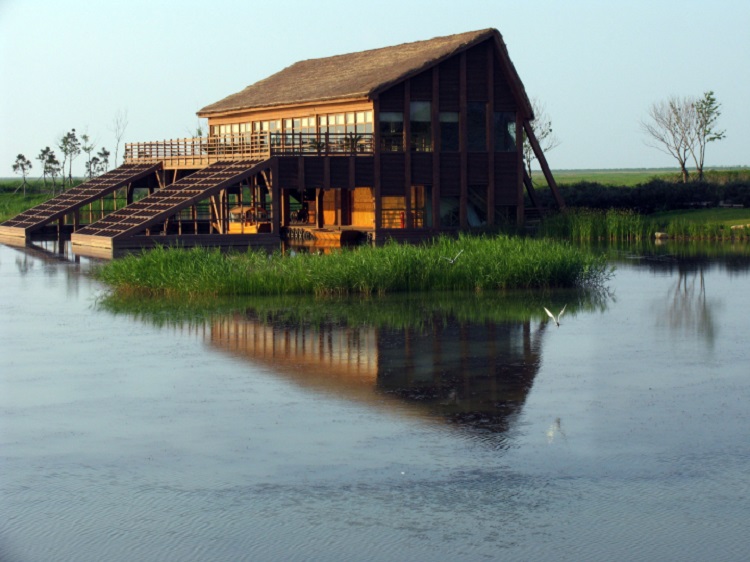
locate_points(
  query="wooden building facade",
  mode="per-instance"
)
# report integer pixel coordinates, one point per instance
(401, 142)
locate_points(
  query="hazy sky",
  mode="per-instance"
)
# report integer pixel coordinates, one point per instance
(595, 65)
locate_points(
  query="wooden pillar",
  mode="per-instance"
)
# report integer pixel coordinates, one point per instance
(319, 193)
(436, 147)
(275, 196)
(491, 189)
(409, 223)
(376, 164)
(463, 141)
(520, 211)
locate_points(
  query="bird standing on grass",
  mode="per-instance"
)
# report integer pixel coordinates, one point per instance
(557, 320)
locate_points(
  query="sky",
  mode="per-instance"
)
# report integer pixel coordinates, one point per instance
(596, 66)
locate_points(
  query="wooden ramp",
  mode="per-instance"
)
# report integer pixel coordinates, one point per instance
(36, 218)
(118, 228)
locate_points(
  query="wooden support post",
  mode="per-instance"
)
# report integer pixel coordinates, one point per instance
(491, 133)
(437, 147)
(409, 223)
(463, 141)
(376, 176)
(520, 210)
(543, 163)
(275, 197)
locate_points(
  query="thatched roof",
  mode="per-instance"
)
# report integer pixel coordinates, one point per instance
(355, 75)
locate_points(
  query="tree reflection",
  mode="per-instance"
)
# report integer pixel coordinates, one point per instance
(687, 310)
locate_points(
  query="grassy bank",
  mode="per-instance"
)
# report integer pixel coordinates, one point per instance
(484, 264)
(621, 225)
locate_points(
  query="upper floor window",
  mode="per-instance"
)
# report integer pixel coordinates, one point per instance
(391, 126)
(449, 131)
(505, 131)
(420, 121)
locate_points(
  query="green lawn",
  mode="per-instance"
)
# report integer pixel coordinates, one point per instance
(725, 216)
(630, 177)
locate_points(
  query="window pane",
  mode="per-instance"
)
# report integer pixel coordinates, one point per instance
(505, 131)
(421, 126)
(449, 131)
(391, 128)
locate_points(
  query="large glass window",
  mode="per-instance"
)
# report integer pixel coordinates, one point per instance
(449, 131)
(505, 131)
(392, 131)
(420, 120)
(477, 126)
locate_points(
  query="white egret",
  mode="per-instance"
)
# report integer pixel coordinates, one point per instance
(557, 320)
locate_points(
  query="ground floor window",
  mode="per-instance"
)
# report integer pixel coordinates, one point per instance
(476, 210)
(449, 212)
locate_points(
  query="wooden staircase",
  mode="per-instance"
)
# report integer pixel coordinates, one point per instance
(55, 209)
(158, 208)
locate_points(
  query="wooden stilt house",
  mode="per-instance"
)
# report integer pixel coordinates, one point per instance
(401, 142)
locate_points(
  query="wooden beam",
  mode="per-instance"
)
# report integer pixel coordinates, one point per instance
(490, 133)
(463, 141)
(275, 196)
(543, 163)
(436, 148)
(409, 223)
(520, 211)
(376, 175)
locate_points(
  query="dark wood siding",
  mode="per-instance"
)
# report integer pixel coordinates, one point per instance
(476, 73)
(477, 162)
(313, 171)
(504, 100)
(450, 174)
(392, 99)
(421, 86)
(506, 179)
(340, 172)
(392, 174)
(421, 168)
(288, 171)
(363, 172)
(449, 82)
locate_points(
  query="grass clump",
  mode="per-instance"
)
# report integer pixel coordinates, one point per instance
(485, 264)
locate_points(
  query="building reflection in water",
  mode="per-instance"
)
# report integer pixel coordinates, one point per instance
(473, 375)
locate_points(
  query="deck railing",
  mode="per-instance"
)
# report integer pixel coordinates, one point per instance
(248, 146)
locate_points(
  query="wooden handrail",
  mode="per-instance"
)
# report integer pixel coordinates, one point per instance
(250, 146)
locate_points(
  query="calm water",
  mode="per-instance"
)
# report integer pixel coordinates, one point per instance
(421, 434)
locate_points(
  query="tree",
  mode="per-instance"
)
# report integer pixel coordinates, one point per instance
(102, 161)
(707, 112)
(43, 157)
(541, 126)
(53, 168)
(670, 128)
(22, 165)
(88, 146)
(119, 124)
(70, 146)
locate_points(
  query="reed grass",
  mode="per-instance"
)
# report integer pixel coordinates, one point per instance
(485, 264)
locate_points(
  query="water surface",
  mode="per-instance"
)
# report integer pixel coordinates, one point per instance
(391, 430)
